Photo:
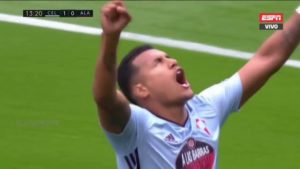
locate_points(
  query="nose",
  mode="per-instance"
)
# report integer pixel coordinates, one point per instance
(172, 62)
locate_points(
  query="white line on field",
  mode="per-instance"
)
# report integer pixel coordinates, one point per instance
(192, 46)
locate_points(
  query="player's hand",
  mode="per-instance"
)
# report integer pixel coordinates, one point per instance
(114, 17)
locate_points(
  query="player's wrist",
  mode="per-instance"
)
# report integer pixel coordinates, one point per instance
(111, 34)
(110, 43)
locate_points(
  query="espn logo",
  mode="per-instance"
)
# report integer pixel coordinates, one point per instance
(271, 21)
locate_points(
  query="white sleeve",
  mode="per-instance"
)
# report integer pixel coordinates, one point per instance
(225, 97)
(127, 140)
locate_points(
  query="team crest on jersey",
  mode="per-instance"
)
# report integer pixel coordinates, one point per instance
(195, 155)
(201, 124)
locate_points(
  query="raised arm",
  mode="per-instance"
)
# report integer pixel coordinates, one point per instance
(113, 107)
(270, 57)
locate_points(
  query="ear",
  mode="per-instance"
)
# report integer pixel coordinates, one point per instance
(140, 91)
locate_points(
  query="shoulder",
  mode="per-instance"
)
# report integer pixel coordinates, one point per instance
(200, 104)
(206, 96)
(143, 117)
(217, 95)
(222, 89)
(138, 113)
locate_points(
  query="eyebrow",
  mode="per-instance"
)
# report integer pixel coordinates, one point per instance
(165, 55)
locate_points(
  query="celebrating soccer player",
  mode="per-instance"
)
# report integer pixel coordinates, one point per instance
(156, 121)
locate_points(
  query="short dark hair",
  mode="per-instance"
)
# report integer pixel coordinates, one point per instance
(126, 70)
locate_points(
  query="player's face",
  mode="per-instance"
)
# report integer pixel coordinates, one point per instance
(163, 77)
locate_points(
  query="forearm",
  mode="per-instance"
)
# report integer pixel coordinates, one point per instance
(270, 57)
(105, 76)
(282, 43)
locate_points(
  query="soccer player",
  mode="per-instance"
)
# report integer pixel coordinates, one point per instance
(166, 125)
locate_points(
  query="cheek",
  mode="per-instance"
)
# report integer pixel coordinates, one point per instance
(153, 82)
(161, 85)
(159, 79)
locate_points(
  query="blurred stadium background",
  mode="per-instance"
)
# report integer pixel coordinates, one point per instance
(47, 115)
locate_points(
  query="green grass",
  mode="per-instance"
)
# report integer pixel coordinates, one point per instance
(48, 118)
(230, 24)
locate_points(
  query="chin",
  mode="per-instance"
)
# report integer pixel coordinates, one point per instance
(188, 95)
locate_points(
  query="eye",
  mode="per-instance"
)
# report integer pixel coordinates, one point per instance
(158, 60)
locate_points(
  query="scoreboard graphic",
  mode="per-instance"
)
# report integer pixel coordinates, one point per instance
(57, 13)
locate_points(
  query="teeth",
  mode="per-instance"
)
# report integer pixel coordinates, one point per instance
(185, 85)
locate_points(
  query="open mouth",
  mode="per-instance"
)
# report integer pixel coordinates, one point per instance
(180, 78)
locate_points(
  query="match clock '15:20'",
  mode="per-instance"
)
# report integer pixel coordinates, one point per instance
(59, 13)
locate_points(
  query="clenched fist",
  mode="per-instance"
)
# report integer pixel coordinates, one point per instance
(114, 17)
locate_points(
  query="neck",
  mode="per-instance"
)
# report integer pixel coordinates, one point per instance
(175, 113)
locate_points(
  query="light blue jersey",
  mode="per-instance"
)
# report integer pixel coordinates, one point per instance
(151, 142)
